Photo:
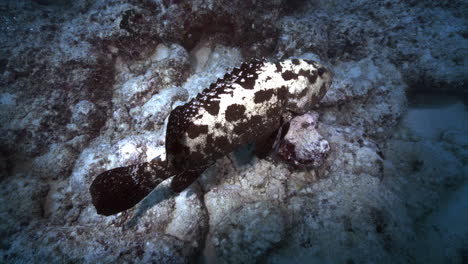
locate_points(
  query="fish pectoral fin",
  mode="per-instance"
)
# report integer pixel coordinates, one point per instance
(119, 189)
(265, 146)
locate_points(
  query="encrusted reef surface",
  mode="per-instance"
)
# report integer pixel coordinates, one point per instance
(86, 86)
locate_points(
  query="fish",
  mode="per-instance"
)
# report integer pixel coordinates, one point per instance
(250, 104)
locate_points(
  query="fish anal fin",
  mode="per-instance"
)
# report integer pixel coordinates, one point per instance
(185, 179)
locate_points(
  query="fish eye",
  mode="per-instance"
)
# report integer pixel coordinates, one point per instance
(321, 71)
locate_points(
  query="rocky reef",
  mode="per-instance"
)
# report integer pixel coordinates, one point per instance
(371, 174)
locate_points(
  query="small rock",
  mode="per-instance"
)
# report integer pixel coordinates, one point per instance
(303, 146)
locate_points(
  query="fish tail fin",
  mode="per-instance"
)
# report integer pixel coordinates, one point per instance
(119, 189)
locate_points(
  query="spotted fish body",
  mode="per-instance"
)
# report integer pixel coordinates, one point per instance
(247, 105)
